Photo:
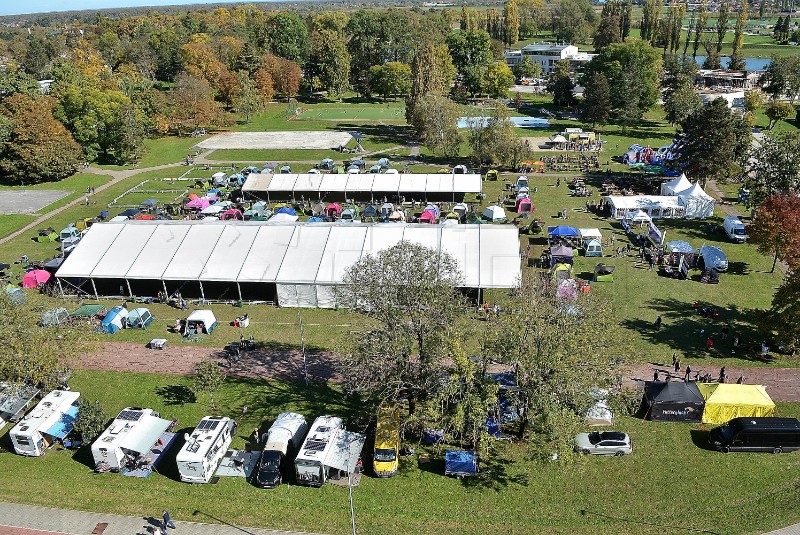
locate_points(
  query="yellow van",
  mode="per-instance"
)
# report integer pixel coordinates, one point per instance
(387, 442)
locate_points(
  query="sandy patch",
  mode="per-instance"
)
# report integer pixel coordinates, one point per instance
(276, 140)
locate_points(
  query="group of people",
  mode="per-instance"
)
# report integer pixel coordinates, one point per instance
(698, 377)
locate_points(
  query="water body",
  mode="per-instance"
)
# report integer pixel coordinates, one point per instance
(751, 64)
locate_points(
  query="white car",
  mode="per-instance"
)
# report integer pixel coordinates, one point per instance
(603, 443)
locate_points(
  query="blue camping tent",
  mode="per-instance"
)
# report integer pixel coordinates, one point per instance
(562, 231)
(314, 220)
(114, 320)
(285, 210)
(460, 463)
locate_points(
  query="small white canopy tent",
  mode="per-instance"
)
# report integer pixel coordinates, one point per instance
(639, 217)
(494, 213)
(590, 234)
(672, 187)
(698, 203)
(283, 218)
(213, 209)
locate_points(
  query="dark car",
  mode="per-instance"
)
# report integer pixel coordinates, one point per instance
(268, 474)
(774, 435)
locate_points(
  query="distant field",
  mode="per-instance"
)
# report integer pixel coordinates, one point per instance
(352, 113)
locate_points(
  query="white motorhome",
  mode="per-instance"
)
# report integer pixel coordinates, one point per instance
(204, 449)
(132, 434)
(49, 421)
(734, 229)
(328, 451)
(285, 434)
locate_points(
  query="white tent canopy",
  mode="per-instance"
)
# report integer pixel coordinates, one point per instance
(655, 206)
(672, 187)
(698, 203)
(639, 217)
(304, 260)
(494, 213)
(354, 183)
(590, 234)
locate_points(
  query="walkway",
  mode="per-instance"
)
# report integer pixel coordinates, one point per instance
(17, 519)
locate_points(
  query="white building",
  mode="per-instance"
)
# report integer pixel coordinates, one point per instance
(548, 54)
(51, 420)
(204, 449)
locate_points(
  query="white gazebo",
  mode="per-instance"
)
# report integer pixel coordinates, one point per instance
(675, 185)
(698, 203)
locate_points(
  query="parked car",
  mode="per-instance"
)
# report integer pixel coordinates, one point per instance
(603, 443)
(734, 229)
(711, 256)
(774, 435)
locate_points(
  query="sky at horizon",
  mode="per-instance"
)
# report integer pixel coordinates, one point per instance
(19, 7)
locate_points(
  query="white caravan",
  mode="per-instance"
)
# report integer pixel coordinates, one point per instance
(50, 420)
(132, 434)
(328, 451)
(204, 449)
(286, 433)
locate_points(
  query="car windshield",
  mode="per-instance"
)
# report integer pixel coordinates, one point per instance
(269, 463)
(385, 455)
(594, 438)
(738, 231)
(726, 432)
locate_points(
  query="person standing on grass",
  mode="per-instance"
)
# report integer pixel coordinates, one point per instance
(677, 365)
(658, 323)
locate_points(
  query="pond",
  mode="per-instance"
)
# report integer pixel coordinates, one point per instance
(751, 64)
(522, 122)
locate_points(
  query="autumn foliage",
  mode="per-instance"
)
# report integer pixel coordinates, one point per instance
(776, 229)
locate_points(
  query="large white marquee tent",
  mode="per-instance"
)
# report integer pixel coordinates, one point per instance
(440, 185)
(296, 264)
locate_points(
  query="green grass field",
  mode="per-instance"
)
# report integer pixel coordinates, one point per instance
(161, 151)
(361, 113)
(671, 483)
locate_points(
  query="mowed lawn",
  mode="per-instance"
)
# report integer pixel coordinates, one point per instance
(671, 484)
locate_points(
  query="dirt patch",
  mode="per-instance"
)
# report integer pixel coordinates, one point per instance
(289, 139)
(262, 363)
(28, 201)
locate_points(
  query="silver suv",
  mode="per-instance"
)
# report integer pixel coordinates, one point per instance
(603, 443)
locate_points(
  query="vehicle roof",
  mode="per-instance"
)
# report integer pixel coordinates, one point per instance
(611, 435)
(203, 437)
(49, 410)
(320, 438)
(388, 427)
(765, 423)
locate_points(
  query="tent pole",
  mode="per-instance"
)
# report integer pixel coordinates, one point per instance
(94, 287)
(60, 287)
(130, 292)
(166, 293)
(202, 293)
(239, 287)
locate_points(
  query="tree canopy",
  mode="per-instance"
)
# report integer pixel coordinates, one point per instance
(773, 167)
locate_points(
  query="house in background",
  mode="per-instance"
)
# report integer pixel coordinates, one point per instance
(547, 54)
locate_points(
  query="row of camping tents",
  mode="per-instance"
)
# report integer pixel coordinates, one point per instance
(709, 403)
(111, 321)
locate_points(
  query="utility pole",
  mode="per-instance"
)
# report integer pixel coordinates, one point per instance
(302, 344)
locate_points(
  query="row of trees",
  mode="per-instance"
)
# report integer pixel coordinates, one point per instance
(558, 344)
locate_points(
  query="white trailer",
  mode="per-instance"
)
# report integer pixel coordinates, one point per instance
(49, 421)
(132, 434)
(204, 449)
(285, 434)
(329, 451)
(14, 401)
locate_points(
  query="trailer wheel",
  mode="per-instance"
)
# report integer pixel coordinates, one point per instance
(777, 450)
(726, 449)
(585, 452)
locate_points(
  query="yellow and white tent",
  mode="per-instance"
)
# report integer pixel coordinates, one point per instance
(727, 401)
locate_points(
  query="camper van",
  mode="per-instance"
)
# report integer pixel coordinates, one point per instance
(49, 421)
(204, 449)
(284, 435)
(387, 442)
(131, 435)
(734, 229)
(774, 435)
(328, 452)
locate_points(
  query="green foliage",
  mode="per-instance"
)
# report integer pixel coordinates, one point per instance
(573, 21)
(596, 105)
(390, 79)
(753, 100)
(778, 110)
(494, 141)
(14, 80)
(288, 36)
(737, 56)
(511, 23)
(784, 316)
(559, 83)
(650, 16)
(782, 77)
(527, 68)
(91, 420)
(471, 54)
(773, 167)
(432, 71)
(249, 101)
(330, 61)
(208, 378)
(680, 97)
(434, 118)
(498, 80)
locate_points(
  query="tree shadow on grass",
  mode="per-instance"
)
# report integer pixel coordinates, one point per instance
(684, 329)
(493, 475)
(278, 360)
(176, 394)
(84, 456)
(377, 133)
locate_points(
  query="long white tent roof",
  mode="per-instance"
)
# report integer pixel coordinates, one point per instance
(364, 183)
(293, 253)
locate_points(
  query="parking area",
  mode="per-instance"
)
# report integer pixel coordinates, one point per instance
(28, 201)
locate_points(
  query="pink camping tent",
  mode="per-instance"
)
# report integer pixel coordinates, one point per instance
(524, 206)
(333, 210)
(427, 217)
(33, 279)
(231, 214)
(200, 203)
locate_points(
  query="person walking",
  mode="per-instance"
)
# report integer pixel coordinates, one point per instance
(688, 373)
(655, 376)
(168, 521)
(658, 327)
(677, 365)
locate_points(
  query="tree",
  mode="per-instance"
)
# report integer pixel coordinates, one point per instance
(596, 106)
(36, 146)
(390, 79)
(248, 101)
(777, 110)
(14, 80)
(228, 84)
(773, 167)
(722, 28)
(561, 347)
(208, 378)
(287, 35)
(573, 21)
(608, 31)
(702, 20)
(193, 105)
(498, 80)
(681, 103)
(471, 55)
(784, 315)
(286, 75)
(401, 348)
(511, 23)
(737, 61)
(776, 229)
(753, 100)
(492, 140)
(714, 141)
(262, 83)
(680, 97)
(530, 13)
(560, 84)
(650, 15)
(527, 68)
(782, 77)
(435, 120)
(432, 71)
(91, 420)
(330, 61)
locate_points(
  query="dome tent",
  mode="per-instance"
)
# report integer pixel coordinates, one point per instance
(672, 187)
(494, 213)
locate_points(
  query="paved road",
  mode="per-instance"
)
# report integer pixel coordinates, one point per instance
(16, 519)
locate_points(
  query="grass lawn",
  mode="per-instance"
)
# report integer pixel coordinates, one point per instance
(295, 155)
(362, 112)
(666, 486)
(10, 223)
(161, 151)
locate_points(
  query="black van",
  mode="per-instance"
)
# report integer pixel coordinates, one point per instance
(757, 434)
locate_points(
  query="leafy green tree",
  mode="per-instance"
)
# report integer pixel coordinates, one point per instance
(681, 103)
(432, 71)
(737, 60)
(608, 31)
(511, 23)
(14, 80)
(330, 61)
(434, 118)
(498, 80)
(36, 147)
(399, 349)
(249, 101)
(91, 420)
(773, 167)
(753, 100)
(561, 347)
(208, 378)
(650, 16)
(782, 77)
(596, 105)
(390, 79)
(531, 12)
(573, 21)
(783, 316)
(776, 111)
(702, 20)
(471, 55)
(714, 141)
(288, 36)
(560, 84)
(723, 24)
(527, 68)
(492, 140)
